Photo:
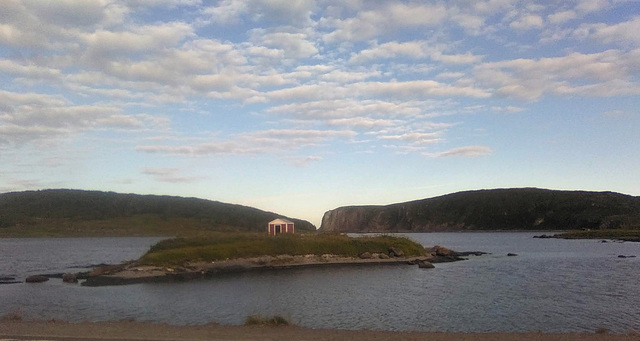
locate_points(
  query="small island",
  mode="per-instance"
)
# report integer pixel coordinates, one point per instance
(625, 235)
(180, 259)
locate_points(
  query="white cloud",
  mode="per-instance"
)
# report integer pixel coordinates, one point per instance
(258, 142)
(413, 50)
(561, 17)
(449, 75)
(171, 175)
(30, 117)
(466, 151)
(348, 108)
(624, 33)
(575, 73)
(527, 22)
(360, 122)
(415, 89)
(106, 44)
(227, 11)
(272, 12)
(293, 45)
(472, 23)
(418, 138)
(384, 20)
(587, 6)
(465, 58)
(29, 70)
(508, 109)
(16, 135)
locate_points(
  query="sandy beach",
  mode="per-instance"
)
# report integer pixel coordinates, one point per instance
(126, 330)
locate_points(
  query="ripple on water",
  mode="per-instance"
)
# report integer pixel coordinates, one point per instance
(552, 286)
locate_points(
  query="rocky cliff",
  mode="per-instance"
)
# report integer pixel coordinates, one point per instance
(498, 209)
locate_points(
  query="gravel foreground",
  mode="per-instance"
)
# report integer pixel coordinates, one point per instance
(125, 330)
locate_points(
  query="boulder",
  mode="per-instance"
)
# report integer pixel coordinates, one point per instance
(395, 252)
(442, 251)
(423, 264)
(36, 279)
(107, 270)
(383, 256)
(70, 278)
(365, 255)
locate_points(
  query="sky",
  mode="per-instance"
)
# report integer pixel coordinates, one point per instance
(299, 106)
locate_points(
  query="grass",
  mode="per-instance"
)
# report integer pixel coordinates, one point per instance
(255, 320)
(222, 246)
(626, 235)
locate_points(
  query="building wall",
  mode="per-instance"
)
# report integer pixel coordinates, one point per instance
(284, 228)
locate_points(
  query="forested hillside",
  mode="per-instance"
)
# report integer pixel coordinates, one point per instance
(76, 212)
(497, 209)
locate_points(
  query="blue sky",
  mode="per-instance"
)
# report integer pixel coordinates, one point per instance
(299, 106)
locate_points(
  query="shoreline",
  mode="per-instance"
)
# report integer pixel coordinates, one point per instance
(133, 330)
(134, 273)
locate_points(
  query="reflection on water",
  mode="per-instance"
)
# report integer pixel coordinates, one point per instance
(552, 286)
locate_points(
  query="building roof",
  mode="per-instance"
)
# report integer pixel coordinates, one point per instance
(281, 221)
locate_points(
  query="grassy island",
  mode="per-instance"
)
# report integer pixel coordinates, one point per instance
(224, 246)
(213, 254)
(625, 235)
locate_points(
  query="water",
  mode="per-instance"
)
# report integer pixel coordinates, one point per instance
(551, 286)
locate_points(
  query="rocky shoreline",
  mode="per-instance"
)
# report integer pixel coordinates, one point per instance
(132, 272)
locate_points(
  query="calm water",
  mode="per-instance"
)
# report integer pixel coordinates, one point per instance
(552, 286)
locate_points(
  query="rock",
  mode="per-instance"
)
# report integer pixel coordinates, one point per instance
(36, 279)
(70, 278)
(423, 264)
(395, 252)
(442, 251)
(471, 253)
(8, 280)
(107, 270)
(365, 255)
(383, 256)
(512, 254)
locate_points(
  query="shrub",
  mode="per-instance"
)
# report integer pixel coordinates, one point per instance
(276, 320)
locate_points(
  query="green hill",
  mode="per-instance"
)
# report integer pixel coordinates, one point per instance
(497, 209)
(62, 212)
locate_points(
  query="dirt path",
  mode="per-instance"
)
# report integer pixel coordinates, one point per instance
(48, 330)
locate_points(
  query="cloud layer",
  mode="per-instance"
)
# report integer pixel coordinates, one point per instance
(299, 79)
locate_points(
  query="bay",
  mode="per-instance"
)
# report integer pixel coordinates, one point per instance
(551, 286)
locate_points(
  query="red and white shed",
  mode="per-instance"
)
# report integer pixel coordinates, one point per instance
(280, 225)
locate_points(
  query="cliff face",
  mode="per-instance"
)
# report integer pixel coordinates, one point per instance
(500, 209)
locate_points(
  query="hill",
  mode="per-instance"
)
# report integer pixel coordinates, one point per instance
(497, 209)
(63, 212)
